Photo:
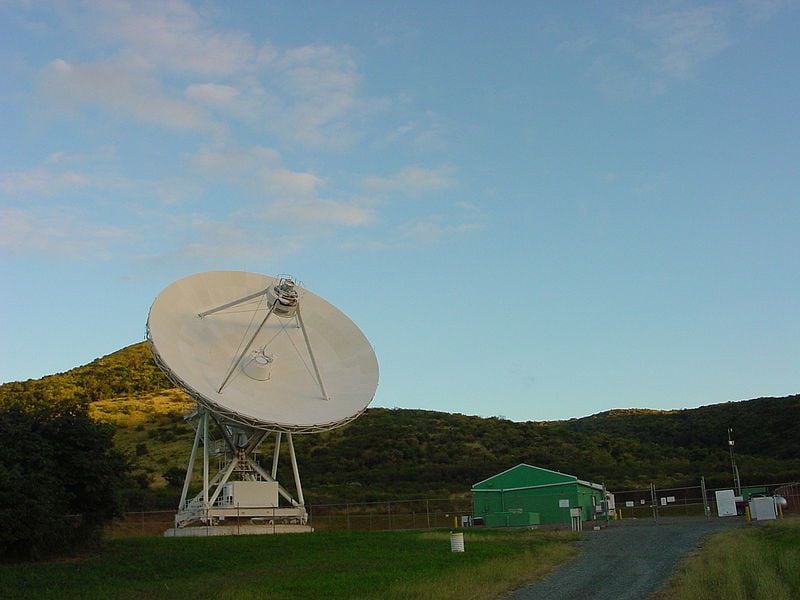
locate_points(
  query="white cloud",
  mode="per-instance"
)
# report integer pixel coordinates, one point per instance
(258, 169)
(683, 39)
(325, 212)
(291, 182)
(293, 196)
(51, 181)
(318, 87)
(427, 133)
(104, 153)
(217, 240)
(42, 181)
(120, 87)
(433, 228)
(58, 233)
(763, 10)
(213, 94)
(306, 96)
(173, 35)
(413, 180)
(663, 44)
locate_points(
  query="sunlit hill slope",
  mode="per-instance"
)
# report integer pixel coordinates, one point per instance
(402, 453)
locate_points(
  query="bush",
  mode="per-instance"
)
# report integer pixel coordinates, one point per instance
(59, 478)
(175, 476)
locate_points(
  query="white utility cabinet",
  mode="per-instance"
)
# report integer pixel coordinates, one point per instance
(726, 503)
(250, 494)
(762, 508)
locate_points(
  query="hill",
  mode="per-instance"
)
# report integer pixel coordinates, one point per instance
(392, 453)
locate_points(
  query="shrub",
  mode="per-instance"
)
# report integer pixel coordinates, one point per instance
(59, 478)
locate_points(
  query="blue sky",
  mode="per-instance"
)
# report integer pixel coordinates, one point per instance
(535, 210)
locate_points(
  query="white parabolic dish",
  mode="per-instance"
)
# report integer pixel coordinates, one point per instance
(198, 352)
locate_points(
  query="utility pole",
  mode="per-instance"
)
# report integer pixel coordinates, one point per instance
(736, 481)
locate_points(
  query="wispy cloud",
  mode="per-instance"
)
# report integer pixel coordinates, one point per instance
(290, 196)
(66, 178)
(43, 181)
(120, 87)
(218, 240)
(174, 36)
(682, 39)
(464, 218)
(413, 180)
(663, 44)
(60, 233)
(208, 86)
(319, 211)
(306, 95)
(213, 94)
(258, 169)
(426, 133)
(318, 87)
(434, 228)
(758, 11)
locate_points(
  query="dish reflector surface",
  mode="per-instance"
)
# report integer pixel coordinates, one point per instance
(198, 352)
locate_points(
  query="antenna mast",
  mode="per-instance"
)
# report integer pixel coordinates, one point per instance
(736, 481)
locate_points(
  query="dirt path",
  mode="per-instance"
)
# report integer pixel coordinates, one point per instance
(625, 561)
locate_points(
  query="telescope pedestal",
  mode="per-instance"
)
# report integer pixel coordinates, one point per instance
(222, 497)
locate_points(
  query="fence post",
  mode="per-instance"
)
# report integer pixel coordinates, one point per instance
(706, 509)
(389, 508)
(654, 501)
(428, 512)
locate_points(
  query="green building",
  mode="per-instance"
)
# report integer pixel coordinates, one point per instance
(526, 495)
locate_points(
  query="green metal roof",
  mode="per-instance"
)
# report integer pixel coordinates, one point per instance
(524, 476)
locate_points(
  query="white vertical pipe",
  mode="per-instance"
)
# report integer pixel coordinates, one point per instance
(205, 459)
(296, 472)
(275, 456)
(190, 468)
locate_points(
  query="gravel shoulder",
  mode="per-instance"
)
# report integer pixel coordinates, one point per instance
(627, 560)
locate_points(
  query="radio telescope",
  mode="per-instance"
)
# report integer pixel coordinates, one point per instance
(261, 356)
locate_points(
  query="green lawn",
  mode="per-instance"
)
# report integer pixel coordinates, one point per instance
(761, 562)
(297, 566)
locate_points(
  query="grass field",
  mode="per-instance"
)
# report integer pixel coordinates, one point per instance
(761, 562)
(320, 565)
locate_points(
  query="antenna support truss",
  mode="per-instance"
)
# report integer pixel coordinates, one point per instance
(284, 302)
(236, 458)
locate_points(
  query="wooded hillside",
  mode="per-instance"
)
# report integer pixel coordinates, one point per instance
(394, 453)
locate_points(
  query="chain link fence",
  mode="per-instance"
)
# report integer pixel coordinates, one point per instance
(654, 503)
(141, 523)
(429, 513)
(426, 513)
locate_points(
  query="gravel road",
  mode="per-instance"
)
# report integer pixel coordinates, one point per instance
(628, 560)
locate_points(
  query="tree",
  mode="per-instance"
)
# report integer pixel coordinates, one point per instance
(60, 478)
(175, 476)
